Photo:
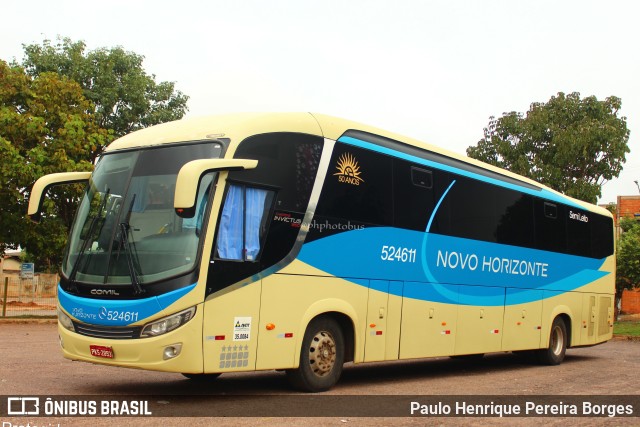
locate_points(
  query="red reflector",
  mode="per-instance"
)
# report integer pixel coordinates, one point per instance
(378, 332)
(288, 335)
(219, 338)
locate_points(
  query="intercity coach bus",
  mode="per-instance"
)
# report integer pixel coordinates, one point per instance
(299, 242)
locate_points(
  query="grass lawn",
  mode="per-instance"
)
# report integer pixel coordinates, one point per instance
(631, 327)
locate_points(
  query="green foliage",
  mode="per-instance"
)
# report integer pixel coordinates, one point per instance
(46, 126)
(125, 97)
(628, 256)
(571, 144)
(54, 109)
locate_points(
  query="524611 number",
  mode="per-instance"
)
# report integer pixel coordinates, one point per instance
(398, 254)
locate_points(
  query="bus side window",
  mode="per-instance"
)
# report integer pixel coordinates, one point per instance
(550, 226)
(413, 195)
(242, 223)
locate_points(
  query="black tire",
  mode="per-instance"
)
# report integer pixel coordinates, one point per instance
(554, 353)
(321, 357)
(201, 377)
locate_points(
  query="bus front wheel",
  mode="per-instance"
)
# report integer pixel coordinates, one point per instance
(554, 354)
(321, 357)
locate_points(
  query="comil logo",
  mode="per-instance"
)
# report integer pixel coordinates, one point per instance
(110, 292)
(348, 170)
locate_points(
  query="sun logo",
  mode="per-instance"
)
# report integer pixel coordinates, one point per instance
(348, 170)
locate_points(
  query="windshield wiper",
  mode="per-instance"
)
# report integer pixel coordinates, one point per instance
(124, 243)
(85, 242)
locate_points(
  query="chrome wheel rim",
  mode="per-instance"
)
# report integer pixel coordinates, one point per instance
(557, 340)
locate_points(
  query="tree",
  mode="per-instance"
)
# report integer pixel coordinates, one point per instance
(59, 109)
(46, 126)
(124, 96)
(571, 144)
(627, 259)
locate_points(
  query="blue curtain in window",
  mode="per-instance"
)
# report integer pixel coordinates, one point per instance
(230, 235)
(254, 212)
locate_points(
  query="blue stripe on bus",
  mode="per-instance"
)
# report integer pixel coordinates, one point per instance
(449, 269)
(546, 194)
(435, 210)
(117, 312)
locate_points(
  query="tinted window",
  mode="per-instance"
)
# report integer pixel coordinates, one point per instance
(482, 211)
(287, 161)
(515, 226)
(414, 196)
(550, 226)
(287, 168)
(441, 223)
(358, 187)
(602, 236)
(578, 231)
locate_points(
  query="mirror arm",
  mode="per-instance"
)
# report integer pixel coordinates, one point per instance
(190, 175)
(43, 184)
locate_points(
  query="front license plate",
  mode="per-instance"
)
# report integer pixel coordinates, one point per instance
(101, 351)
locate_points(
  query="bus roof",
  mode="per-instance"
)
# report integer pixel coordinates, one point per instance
(237, 127)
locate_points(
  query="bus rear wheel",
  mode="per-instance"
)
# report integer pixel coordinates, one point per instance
(554, 353)
(321, 357)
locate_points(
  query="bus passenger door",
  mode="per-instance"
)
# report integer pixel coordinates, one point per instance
(384, 312)
(522, 321)
(480, 320)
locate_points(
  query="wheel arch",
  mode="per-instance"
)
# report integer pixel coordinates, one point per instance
(345, 315)
(568, 325)
(566, 314)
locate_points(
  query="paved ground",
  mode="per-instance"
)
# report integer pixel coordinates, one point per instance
(31, 364)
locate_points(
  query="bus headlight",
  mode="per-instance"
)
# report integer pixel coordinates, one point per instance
(167, 324)
(65, 320)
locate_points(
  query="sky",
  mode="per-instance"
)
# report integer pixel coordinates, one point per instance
(432, 70)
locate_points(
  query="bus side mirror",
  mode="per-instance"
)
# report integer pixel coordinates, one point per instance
(43, 184)
(184, 201)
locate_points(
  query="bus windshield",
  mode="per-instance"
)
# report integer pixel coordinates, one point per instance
(126, 230)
